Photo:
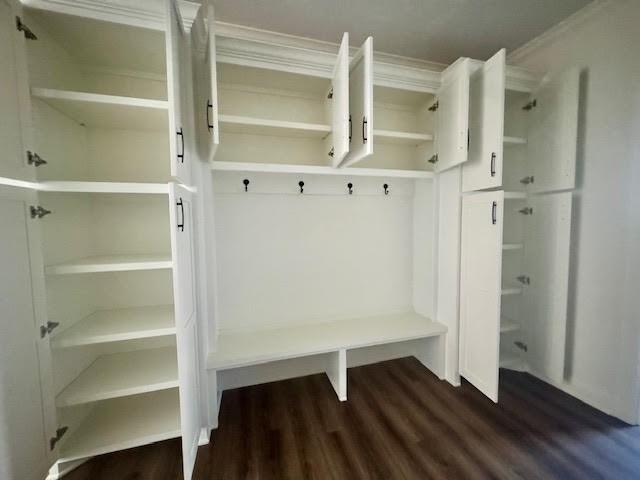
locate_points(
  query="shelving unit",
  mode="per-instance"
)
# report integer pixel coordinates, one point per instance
(111, 263)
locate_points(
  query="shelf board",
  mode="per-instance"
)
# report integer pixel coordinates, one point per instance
(103, 187)
(261, 346)
(511, 290)
(125, 423)
(111, 263)
(317, 170)
(401, 138)
(508, 325)
(510, 360)
(265, 126)
(118, 325)
(515, 196)
(514, 141)
(107, 111)
(512, 246)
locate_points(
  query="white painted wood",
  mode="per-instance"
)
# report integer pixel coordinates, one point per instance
(361, 104)
(106, 111)
(183, 230)
(340, 124)
(546, 262)
(116, 325)
(480, 277)
(512, 246)
(264, 126)
(515, 196)
(403, 138)
(452, 131)
(177, 78)
(110, 263)
(508, 325)
(124, 423)
(102, 187)
(337, 373)
(509, 290)
(514, 141)
(552, 133)
(122, 374)
(483, 169)
(260, 346)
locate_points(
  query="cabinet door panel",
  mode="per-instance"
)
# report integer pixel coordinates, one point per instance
(546, 261)
(361, 104)
(340, 104)
(177, 79)
(453, 116)
(483, 168)
(552, 133)
(182, 250)
(480, 290)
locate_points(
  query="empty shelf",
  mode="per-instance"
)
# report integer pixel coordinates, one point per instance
(111, 263)
(123, 374)
(515, 141)
(264, 126)
(508, 325)
(117, 325)
(402, 138)
(125, 423)
(511, 290)
(512, 246)
(107, 111)
(515, 196)
(254, 347)
(103, 187)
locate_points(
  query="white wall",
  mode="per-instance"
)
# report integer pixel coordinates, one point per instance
(604, 300)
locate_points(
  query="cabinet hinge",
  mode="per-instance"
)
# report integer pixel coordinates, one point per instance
(434, 159)
(434, 107)
(21, 27)
(526, 211)
(524, 279)
(331, 152)
(521, 345)
(34, 159)
(330, 94)
(532, 104)
(48, 328)
(38, 211)
(527, 180)
(59, 434)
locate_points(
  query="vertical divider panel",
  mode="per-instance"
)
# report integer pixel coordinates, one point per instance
(340, 128)
(337, 373)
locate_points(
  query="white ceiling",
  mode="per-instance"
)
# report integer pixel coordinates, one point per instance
(434, 30)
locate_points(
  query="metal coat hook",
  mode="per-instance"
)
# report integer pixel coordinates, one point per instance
(350, 187)
(246, 184)
(301, 185)
(386, 188)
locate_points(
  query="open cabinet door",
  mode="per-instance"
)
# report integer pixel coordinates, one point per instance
(546, 262)
(177, 79)
(205, 81)
(182, 251)
(483, 169)
(452, 133)
(480, 290)
(552, 133)
(361, 104)
(340, 124)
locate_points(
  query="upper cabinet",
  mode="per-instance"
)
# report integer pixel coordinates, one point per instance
(361, 104)
(483, 168)
(339, 96)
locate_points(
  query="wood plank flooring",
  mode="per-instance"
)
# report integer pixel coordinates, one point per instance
(400, 422)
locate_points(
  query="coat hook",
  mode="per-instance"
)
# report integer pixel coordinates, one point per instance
(246, 184)
(350, 187)
(386, 188)
(301, 185)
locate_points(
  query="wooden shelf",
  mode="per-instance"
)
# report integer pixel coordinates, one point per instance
(255, 347)
(125, 423)
(508, 325)
(512, 246)
(117, 325)
(510, 290)
(103, 187)
(111, 263)
(401, 138)
(317, 170)
(123, 374)
(514, 141)
(264, 126)
(107, 111)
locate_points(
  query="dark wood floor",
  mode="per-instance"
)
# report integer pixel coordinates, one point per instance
(400, 422)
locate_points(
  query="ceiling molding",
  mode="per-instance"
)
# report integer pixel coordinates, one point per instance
(571, 22)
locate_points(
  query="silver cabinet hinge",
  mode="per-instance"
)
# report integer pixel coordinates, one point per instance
(331, 152)
(532, 104)
(521, 345)
(330, 94)
(53, 441)
(34, 159)
(526, 211)
(21, 27)
(38, 211)
(524, 279)
(48, 328)
(527, 180)
(433, 159)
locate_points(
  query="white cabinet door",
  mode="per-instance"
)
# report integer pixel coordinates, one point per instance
(205, 81)
(452, 131)
(14, 95)
(546, 262)
(480, 290)
(340, 125)
(182, 251)
(483, 169)
(361, 104)
(552, 133)
(177, 84)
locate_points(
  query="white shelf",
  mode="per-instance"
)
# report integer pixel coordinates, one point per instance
(515, 196)
(103, 187)
(512, 246)
(125, 423)
(111, 263)
(511, 290)
(122, 374)
(510, 360)
(515, 141)
(254, 347)
(401, 138)
(107, 111)
(265, 126)
(117, 325)
(317, 170)
(508, 325)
